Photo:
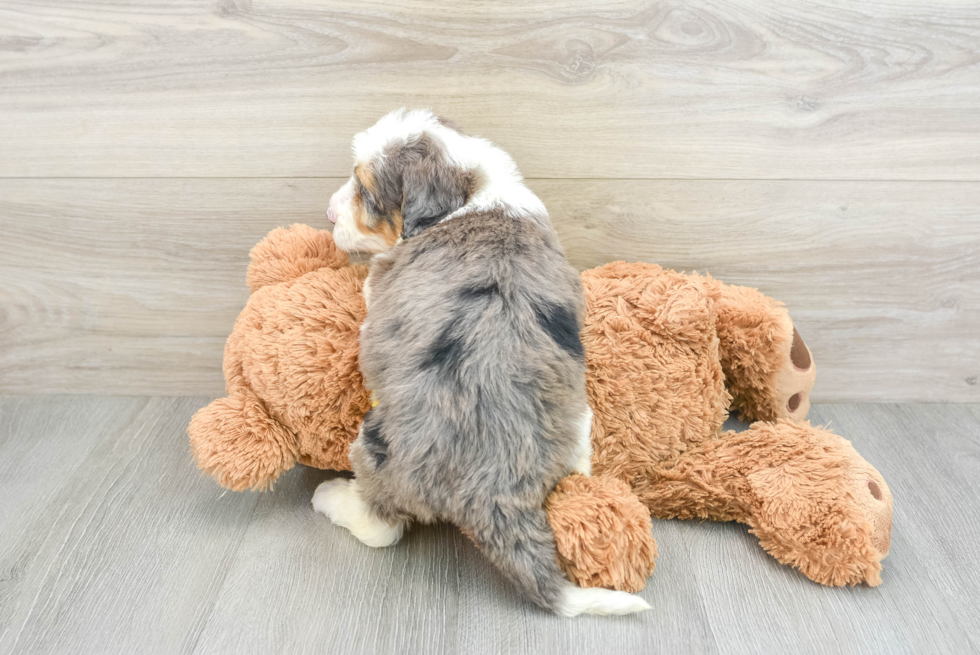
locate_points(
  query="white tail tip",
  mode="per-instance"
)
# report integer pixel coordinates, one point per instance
(576, 600)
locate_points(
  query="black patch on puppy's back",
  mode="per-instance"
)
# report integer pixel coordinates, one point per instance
(560, 324)
(446, 352)
(477, 292)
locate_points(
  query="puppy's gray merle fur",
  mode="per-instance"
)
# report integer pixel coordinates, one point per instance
(471, 347)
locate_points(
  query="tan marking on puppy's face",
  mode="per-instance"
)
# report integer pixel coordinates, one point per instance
(374, 215)
(404, 182)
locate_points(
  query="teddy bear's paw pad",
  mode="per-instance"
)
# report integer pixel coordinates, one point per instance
(799, 354)
(794, 381)
(340, 502)
(576, 601)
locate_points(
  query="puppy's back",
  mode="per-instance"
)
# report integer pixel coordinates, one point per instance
(472, 348)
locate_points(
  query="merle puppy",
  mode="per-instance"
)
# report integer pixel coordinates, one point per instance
(471, 347)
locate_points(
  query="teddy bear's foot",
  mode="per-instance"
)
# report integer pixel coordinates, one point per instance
(603, 533)
(769, 370)
(340, 502)
(811, 499)
(816, 504)
(794, 378)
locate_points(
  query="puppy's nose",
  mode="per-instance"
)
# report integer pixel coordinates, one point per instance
(332, 208)
(337, 201)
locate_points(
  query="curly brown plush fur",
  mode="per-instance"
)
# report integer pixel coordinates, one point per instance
(667, 355)
(805, 492)
(602, 534)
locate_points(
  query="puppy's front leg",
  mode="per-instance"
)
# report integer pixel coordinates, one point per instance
(340, 501)
(582, 456)
(366, 290)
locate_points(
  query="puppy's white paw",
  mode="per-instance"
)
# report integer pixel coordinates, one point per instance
(576, 600)
(339, 501)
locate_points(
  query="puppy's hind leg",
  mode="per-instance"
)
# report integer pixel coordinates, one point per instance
(519, 542)
(340, 501)
(355, 504)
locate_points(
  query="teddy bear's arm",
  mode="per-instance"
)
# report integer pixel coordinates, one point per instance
(602, 533)
(769, 370)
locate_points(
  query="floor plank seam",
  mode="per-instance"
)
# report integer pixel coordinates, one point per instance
(224, 579)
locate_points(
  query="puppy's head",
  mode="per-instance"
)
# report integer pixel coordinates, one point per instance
(405, 180)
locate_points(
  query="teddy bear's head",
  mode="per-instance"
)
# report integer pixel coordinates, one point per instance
(295, 392)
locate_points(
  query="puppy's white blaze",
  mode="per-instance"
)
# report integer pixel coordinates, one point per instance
(582, 456)
(366, 292)
(401, 124)
(339, 501)
(576, 600)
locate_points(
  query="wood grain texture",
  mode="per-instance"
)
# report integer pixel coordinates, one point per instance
(573, 88)
(113, 543)
(132, 286)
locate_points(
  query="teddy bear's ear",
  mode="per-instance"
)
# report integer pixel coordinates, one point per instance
(288, 253)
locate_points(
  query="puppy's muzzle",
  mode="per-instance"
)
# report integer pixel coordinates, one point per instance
(339, 199)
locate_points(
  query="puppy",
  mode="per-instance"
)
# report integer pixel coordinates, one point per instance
(471, 347)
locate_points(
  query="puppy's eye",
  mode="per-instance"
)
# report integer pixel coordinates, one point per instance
(368, 201)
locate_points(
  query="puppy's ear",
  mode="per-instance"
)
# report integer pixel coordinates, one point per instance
(432, 188)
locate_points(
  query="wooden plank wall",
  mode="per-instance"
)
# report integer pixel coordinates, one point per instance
(826, 152)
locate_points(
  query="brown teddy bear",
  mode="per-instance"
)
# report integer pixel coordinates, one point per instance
(667, 355)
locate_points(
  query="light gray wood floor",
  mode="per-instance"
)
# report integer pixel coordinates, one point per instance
(112, 542)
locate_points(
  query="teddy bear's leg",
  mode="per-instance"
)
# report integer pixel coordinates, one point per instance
(768, 368)
(815, 503)
(340, 501)
(810, 498)
(236, 441)
(520, 544)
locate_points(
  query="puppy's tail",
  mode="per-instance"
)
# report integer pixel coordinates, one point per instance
(519, 542)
